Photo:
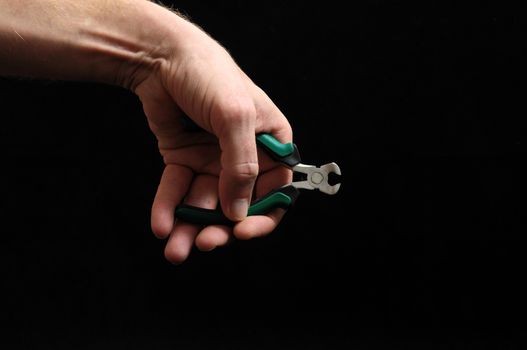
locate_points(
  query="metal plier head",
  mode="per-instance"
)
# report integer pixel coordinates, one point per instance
(317, 177)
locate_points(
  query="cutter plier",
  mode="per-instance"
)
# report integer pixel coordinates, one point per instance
(283, 197)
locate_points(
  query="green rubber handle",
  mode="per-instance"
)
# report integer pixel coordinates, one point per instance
(273, 145)
(285, 153)
(283, 197)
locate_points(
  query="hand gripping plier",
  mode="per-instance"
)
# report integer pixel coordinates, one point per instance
(283, 197)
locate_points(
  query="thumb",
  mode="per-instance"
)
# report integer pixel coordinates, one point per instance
(239, 161)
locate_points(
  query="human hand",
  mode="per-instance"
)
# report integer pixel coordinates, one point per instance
(175, 68)
(221, 163)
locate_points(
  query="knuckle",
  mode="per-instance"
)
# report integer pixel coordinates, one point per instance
(236, 109)
(246, 171)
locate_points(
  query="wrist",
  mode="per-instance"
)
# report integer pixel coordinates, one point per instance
(115, 42)
(146, 40)
(131, 45)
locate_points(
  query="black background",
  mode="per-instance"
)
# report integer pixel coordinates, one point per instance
(420, 103)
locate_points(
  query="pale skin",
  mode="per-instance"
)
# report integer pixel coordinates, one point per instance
(174, 68)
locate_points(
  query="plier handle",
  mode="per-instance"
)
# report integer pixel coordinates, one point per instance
(283, 197)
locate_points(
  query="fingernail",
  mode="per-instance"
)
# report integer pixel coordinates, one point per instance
(239, 209)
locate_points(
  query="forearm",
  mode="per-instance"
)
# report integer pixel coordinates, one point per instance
(97, 40)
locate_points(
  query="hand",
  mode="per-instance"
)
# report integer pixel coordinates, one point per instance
(174, 68)
(202, 81)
